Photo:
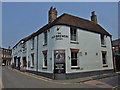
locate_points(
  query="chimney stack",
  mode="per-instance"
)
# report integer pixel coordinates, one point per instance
(94, 17)
(52, 14)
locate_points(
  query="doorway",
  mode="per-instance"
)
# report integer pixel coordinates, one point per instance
(19, 63)
(24, 62)
(59, 61)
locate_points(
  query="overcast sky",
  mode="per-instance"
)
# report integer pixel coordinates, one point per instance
(21, 19)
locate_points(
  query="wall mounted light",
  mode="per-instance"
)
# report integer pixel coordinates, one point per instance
(58, 29)
(96, 53)
(85, 53)
(48, 30)
(69, 57)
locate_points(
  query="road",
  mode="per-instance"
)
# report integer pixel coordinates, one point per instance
(16, 79)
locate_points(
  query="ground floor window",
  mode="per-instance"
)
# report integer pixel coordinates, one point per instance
(74, 57)
(32, 57)
(45, 58)
(104, 58)
(28, 63)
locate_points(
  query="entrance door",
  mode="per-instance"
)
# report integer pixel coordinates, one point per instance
(59, 61)
(15, 61)
(118, 63)
(24, 61)
(19, 63)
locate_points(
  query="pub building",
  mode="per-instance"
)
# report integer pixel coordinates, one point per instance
(67, 47)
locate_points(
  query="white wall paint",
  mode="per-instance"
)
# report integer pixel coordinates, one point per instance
(88, 42)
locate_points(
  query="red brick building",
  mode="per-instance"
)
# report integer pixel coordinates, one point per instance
(6, 56)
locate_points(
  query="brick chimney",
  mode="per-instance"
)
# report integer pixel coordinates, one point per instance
(94, 17)
(52, 14)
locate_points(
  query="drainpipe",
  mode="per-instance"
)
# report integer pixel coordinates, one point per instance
(37, 56)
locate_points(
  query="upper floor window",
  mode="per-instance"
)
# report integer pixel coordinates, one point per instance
(45, 37)
(73, 34)
(32, 43)
(102, 40)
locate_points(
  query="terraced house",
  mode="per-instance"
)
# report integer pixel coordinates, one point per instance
(66, 47)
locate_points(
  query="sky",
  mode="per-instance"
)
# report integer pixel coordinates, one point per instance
(20, 19)
(0, 24)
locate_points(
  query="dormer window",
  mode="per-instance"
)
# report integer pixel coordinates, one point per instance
(73, 34)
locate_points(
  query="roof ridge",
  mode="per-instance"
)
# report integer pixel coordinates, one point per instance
(79, 18)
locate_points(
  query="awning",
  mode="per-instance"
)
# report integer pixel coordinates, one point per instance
(74, 50)
(104, 51)
(45, 51)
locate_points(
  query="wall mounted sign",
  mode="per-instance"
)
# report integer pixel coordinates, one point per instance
(59, 56)
(59, 61)
(59, 36)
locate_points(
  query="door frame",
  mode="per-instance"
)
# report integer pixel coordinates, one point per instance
(64, 71)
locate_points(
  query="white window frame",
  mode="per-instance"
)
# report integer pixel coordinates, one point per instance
(45, 60)
(45, 38)
(76, 59)
(32, 60)
(76, 36)
(104, 60)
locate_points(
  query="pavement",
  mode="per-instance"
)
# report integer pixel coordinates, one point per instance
(76, 80)
(18, 79)
(90, 78)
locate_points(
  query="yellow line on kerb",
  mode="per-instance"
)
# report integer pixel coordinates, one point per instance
(42, 78)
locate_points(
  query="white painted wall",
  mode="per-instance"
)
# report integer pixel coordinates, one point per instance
(88, 42)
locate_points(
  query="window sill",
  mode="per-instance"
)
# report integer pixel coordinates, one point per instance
(75, 67)
(105, 65)
(74, 42)
(32, 48)
(31, 66)
(45, 44)
(103, 45)
(44, 67)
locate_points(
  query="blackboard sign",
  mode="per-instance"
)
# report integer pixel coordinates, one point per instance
(59, 59)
